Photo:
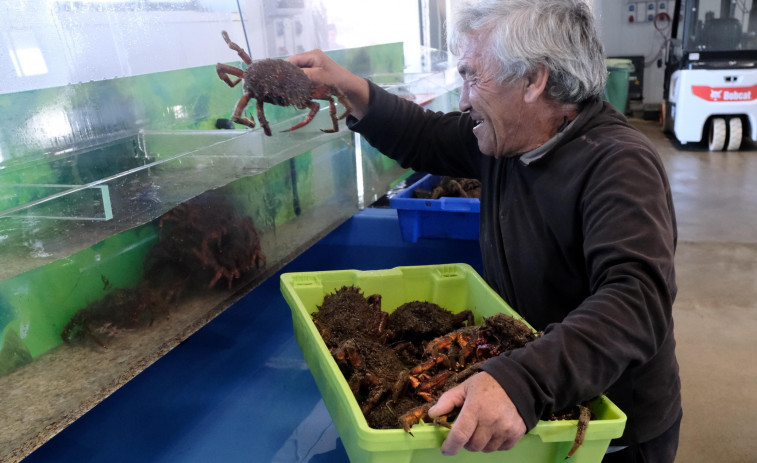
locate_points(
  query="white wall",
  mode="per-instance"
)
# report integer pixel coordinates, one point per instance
(621, 38)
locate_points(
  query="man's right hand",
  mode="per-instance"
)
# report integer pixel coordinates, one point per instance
(324, 70)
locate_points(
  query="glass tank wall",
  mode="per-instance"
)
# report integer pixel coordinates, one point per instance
(132, 211)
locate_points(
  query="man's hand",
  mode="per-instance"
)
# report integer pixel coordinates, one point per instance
(488, 420)
(323, 70)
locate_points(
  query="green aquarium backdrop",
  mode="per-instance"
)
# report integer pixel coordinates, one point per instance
(88, 169)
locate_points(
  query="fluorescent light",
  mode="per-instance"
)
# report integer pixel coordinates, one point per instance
(29, 62)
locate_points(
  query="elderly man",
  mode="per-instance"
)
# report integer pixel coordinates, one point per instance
(578, 230)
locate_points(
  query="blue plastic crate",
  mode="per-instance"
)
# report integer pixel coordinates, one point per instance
(443, 218)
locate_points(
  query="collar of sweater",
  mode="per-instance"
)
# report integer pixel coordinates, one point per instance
(567, 133)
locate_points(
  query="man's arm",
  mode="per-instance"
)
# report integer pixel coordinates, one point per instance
(433, 142)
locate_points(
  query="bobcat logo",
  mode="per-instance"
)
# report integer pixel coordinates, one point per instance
(715, 95)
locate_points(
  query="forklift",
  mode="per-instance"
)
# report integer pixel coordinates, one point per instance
(710, 86)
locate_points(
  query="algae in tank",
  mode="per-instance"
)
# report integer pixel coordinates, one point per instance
(13, 352)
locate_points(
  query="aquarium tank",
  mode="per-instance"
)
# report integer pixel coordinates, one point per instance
(133, 210)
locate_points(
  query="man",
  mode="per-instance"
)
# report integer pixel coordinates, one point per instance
(578, 230)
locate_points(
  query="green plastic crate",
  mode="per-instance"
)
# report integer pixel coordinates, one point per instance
(455, 287)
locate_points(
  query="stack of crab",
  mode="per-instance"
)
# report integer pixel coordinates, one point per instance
(398, 364)
(201, 244)
(452, 188)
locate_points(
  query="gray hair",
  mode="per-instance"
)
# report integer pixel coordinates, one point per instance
(559, 34)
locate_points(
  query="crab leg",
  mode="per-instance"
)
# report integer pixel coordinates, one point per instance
(224, 70)
(374, 397)
(242, 54)
(424, 388)
(428, 364)
(414, 416)
(345, 102)
(335, 124)
(238, 116)
(583, 423)
(95, 338)
(262, 119)
(400, 386)
(314, 107)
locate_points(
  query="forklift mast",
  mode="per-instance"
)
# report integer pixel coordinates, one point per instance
(711, 34)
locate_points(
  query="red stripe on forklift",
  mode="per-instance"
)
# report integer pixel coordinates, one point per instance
(725, 93)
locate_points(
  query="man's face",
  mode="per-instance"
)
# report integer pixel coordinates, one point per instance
(502, 127)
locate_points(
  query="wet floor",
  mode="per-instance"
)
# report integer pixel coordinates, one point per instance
(715, 196)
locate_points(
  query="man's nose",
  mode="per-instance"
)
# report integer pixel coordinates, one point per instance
(464, 101)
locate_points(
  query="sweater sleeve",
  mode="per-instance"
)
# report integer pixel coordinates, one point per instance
(629, 238)
(426, 141)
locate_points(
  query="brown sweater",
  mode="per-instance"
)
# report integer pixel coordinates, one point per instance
(578, 237)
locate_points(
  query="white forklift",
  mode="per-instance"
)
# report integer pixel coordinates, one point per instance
(710, 91)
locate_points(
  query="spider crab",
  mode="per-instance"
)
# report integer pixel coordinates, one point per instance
(208, 237)
(123, 309)
(278, 82)
(454, 357)
(452, 187)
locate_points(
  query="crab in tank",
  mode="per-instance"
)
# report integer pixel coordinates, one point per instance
(207, 238)
(278, 82)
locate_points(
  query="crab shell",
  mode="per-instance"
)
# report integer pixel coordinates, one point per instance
(278, 82)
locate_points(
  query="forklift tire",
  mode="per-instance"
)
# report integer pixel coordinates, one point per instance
(717, 134)
(734, 134)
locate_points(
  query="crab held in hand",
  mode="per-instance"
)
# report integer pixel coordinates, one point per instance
(281, 83)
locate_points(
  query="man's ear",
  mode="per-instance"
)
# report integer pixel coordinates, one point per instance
(536, 83)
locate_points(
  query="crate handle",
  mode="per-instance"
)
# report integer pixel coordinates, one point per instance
(305, 280)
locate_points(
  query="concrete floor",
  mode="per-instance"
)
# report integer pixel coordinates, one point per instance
(715, 196)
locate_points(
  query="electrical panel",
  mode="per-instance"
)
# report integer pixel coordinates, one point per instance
(643, 12)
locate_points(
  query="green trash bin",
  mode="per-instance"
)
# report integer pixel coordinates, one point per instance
(616, 89)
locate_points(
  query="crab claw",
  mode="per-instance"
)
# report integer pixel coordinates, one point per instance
(443, 421)
(414, 417)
